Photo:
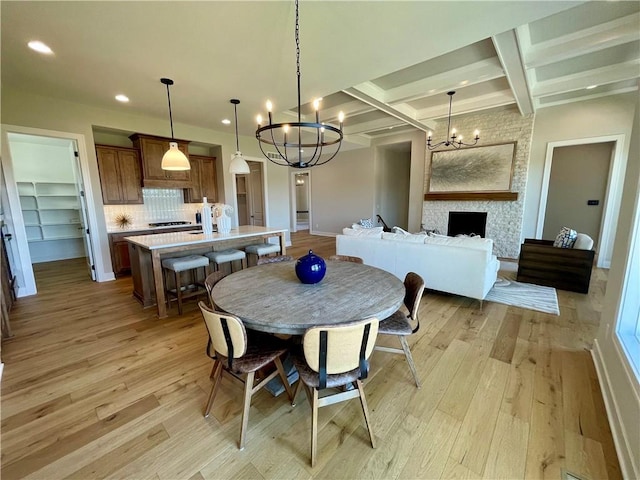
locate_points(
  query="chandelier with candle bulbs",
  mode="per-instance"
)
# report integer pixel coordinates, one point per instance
(300, 144)
(455, 141)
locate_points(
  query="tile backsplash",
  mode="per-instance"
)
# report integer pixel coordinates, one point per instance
(160, 205)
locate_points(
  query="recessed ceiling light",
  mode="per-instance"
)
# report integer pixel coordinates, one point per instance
(226, 121)
(40, 47)
(122, 98)
(464, 82)
(591, 87)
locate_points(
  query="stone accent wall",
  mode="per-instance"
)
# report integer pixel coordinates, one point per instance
(504, 218)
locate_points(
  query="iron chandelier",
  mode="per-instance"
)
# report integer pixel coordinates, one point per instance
(455, 140)
(287, 138)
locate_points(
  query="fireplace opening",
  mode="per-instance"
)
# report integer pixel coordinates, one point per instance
(467, 223)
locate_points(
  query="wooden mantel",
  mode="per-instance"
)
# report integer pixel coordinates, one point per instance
(496, 196)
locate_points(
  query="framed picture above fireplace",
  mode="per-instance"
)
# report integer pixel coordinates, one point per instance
(472, 173)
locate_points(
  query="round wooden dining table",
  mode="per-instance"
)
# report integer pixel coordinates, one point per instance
(270, 298)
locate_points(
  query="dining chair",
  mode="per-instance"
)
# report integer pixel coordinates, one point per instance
(346, 258)
(210, 282)
(276, 259)
(335, 356)
(400, 324)
(230, 351)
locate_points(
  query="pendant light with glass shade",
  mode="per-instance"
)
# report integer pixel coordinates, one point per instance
(238, 163)
(173, 159)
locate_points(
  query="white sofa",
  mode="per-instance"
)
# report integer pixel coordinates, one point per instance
(461, 265)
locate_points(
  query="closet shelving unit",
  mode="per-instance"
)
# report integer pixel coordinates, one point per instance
(50, 210)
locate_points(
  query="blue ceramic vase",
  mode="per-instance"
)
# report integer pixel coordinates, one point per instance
(310, 268)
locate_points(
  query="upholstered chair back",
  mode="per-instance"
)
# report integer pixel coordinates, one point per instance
(413, 290)
(583, 242)
(340, 348)
(227, 334)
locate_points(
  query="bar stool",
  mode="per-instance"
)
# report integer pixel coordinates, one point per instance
(227, 256)
(261, 250)
(179, 265)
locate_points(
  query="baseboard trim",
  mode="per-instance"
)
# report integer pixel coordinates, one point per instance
(625, 456)
(323, 234)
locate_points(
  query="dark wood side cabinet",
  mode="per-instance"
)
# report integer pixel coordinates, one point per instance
(152, 149)
(203, 180)
(564, 268)
(120, 175)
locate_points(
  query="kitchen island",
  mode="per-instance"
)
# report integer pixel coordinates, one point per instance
(147, 251)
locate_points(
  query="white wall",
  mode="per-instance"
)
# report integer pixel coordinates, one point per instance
(612, 115)
(621, 388)
(28, 168)
(342, 191)
(23, 109)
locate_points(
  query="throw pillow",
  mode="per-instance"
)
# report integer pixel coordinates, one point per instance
(566, 238)
(366, 222)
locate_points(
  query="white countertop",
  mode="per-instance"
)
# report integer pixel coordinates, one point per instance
(177, 239)
(134, 230)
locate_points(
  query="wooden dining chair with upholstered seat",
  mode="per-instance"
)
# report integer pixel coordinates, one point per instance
(276, 259)
(231, 352)
(346, 258)
(210, 282)
(334, 356)
(401, 324)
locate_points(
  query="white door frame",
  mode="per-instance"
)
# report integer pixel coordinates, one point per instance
(294, 202)
(613, 195)
(265, 191)
(20, 233)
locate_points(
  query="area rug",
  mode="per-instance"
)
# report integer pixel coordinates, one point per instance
(524, 295)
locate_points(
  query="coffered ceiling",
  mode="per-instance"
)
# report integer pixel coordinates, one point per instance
(386, 64)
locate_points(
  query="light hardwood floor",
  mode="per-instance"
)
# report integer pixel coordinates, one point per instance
(96, 387)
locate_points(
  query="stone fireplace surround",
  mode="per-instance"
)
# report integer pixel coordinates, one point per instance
(504, 218)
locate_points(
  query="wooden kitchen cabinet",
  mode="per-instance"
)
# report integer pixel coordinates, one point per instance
(203, 180)
(120, 259)
(152, 149)
(120, 175)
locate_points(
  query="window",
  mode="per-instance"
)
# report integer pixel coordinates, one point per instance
(628, 330)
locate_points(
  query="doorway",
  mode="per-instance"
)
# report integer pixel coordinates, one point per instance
(250, 196)
(301, 200)
(612, 198)
(577, 189)
(392, 192)
(49, 206)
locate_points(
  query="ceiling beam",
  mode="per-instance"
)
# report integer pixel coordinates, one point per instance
(355, 92)
(357, 139)
(506, 45)
(597, 76)
(477, 72)
(349, 109)
(470, 105)
(616, 32)
(373, 125)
